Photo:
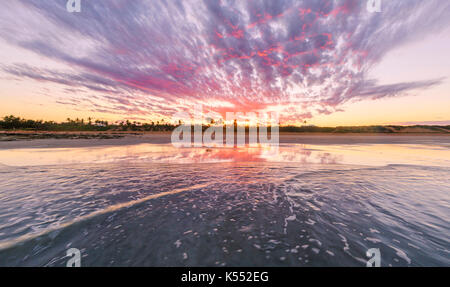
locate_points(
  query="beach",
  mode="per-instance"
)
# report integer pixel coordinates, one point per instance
(242, 134)
(314, 200)
(125, 138)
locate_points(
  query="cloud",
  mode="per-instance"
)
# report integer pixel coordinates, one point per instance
(373, 91)
(156, 57)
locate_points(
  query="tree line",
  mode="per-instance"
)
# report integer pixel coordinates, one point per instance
(16, 123)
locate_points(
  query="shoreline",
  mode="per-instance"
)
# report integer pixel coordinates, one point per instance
(94, 139)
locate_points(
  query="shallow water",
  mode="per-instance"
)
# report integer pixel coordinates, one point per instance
(155, 205)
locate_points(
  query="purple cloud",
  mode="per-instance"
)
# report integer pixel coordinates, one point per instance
(143, 57)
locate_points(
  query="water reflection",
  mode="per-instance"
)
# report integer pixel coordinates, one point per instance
(155, 205)
(368, 154)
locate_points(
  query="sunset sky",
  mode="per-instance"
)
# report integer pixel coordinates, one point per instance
(327, 62)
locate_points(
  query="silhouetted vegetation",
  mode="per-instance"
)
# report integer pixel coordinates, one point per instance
(366, 129)
(306, 129)
(17, 123)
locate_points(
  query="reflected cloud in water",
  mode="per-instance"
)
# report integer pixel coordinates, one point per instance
(369, 154)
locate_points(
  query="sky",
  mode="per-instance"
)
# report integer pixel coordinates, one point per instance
(325, 62)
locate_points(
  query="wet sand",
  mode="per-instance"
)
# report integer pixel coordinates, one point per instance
(316, 200)
(293, 205)
(294, 138)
